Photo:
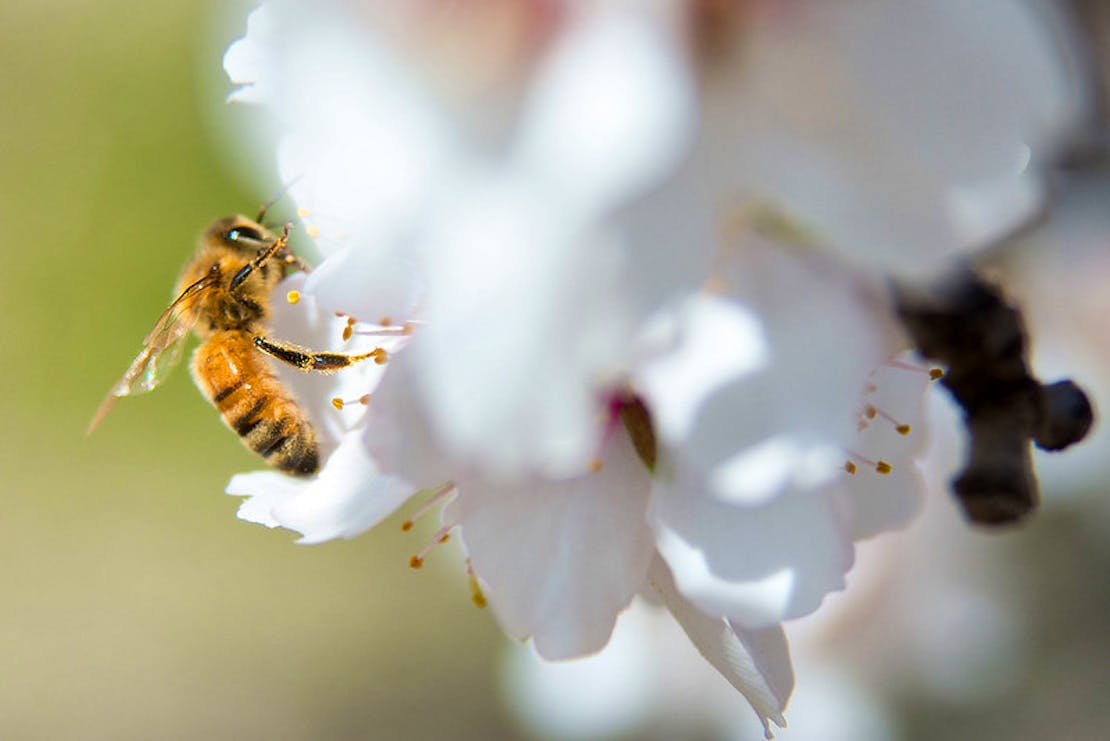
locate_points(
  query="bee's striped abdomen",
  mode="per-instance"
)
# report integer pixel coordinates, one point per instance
(253, 402)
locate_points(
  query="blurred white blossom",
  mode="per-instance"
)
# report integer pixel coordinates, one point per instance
(640, 250)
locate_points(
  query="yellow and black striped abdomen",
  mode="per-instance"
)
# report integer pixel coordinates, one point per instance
(236, 378)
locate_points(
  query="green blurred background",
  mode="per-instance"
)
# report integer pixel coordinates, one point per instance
(135, 604)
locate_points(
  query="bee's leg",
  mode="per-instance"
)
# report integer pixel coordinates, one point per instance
(308, 360)
(290, 260)
(263, 257)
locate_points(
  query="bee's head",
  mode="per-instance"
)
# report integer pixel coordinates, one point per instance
(240, 234)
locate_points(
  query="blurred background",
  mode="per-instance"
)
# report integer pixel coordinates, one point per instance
(137, 606)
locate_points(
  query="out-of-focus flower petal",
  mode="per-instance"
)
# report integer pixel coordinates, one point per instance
(756, 565)
(611, 111)
(755, 662)
(517, 332)
(561, 558)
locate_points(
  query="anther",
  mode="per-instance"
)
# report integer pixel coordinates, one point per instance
(380, 356)
(340, 403)
(293, 297)
(934, 374)
(476, 595)
(440, 494)
(850, 467)
(312, 230)
(441, 536)
(870, 412)
(347, 332)
(303, 212)
(883, 467)
(595, 465)
(385, 321)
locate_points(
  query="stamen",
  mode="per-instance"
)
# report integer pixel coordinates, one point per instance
(347, 333)
(871, 411)
(293, 297)
(595, 465)
(303, 212)
(440, 494)
(340, 403)
(312, 230)
(441, 536)
(476, 595)
(880, 466)
(385, 331)
(380, 356)
(934, 374)
(385, 321)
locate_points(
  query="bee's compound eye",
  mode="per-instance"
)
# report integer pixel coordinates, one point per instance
(246, 233)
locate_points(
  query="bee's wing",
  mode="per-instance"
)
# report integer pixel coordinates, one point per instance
(161, 348)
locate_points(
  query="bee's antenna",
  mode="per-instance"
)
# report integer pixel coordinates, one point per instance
(275, 198)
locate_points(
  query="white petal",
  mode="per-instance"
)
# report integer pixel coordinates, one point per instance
(523, 319)
(561, 559)
(757, 565)
(611, 110)
(368, 283)
(718, 341)
(347, 498)
(755, 662)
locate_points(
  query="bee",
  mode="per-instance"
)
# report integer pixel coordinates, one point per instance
(965, 323)
(223, 295)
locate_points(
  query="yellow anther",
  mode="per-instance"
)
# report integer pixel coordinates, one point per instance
(444, 538)
(936, 374)
(870, 411)
(303, 212)
(883, 467)
(337, 403)
(416, 562)
(903, 429)
(364, 399)
(595, 465)
(406, 526)
(476, 595)
(312, 230)
(385, 321)
(850, 467)
(293, 297)
(380, 356)
(347, 332)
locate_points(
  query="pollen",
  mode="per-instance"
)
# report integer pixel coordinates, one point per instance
(381, 357)
(347, 332)
(293, 297)
(870, 411)
(883, 467)
(337, 403)
(416, 562)
(850, 467)
(936, 374)
(903, 429)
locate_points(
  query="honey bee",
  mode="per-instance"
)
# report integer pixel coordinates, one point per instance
(223, 294)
